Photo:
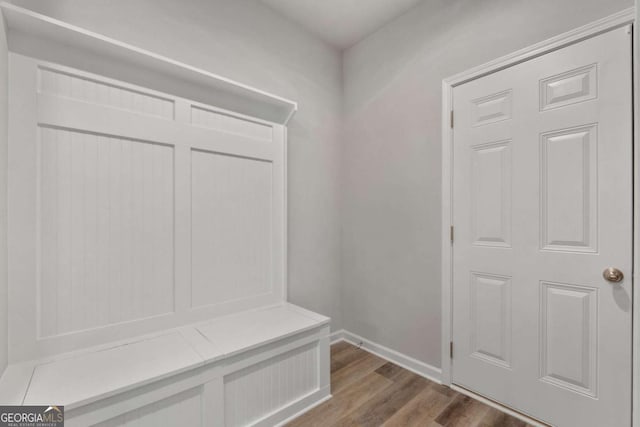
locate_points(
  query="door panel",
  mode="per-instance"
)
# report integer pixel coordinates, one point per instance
(542, 197)
(568, 322)
(491, 194)
(491, 318)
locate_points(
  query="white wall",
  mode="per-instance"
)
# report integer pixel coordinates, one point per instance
(248, 42)
(391, 157)
(3, 199)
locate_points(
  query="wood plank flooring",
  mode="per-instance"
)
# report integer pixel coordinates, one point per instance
(369, 391)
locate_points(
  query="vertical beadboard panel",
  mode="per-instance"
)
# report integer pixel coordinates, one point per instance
(69, 85)
(257, 391)
(183, 409)
(216, 120)
(106, 239)
(101, 198)
(231, 228)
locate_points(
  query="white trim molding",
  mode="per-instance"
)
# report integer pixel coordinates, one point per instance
(617, 20)
(409, 363)
(336, 336)
(420, 368)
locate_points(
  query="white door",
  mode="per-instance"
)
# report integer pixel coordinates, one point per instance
(542, 205)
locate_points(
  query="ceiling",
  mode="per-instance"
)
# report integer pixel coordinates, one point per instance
(342, 23)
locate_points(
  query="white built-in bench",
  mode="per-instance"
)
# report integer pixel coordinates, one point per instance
(147, 240)
(258, 367)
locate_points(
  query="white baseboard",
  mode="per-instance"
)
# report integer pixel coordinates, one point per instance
(420, 368)
(336, 336)
(423, 369)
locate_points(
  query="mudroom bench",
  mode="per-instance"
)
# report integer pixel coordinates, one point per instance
(259, 367)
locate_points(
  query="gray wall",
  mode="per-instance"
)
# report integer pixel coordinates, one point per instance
(3, 199)
(636, 274)
(248, 42)
(382, 240)
(391, 153)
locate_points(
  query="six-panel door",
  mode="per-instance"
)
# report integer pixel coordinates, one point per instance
(542, 205)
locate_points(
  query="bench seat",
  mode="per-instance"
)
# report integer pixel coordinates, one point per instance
(213, 361)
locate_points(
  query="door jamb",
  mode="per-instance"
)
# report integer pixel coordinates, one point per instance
(623, 18)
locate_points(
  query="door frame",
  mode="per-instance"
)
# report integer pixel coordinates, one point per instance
(623, 18)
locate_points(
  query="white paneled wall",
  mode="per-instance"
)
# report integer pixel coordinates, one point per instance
(106, 230)
(255, 392)
(147, 244)
(211, 119)
(134, 211)
(57, 82)
(231, 211)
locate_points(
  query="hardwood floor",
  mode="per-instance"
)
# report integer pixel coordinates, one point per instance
(369, 391)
